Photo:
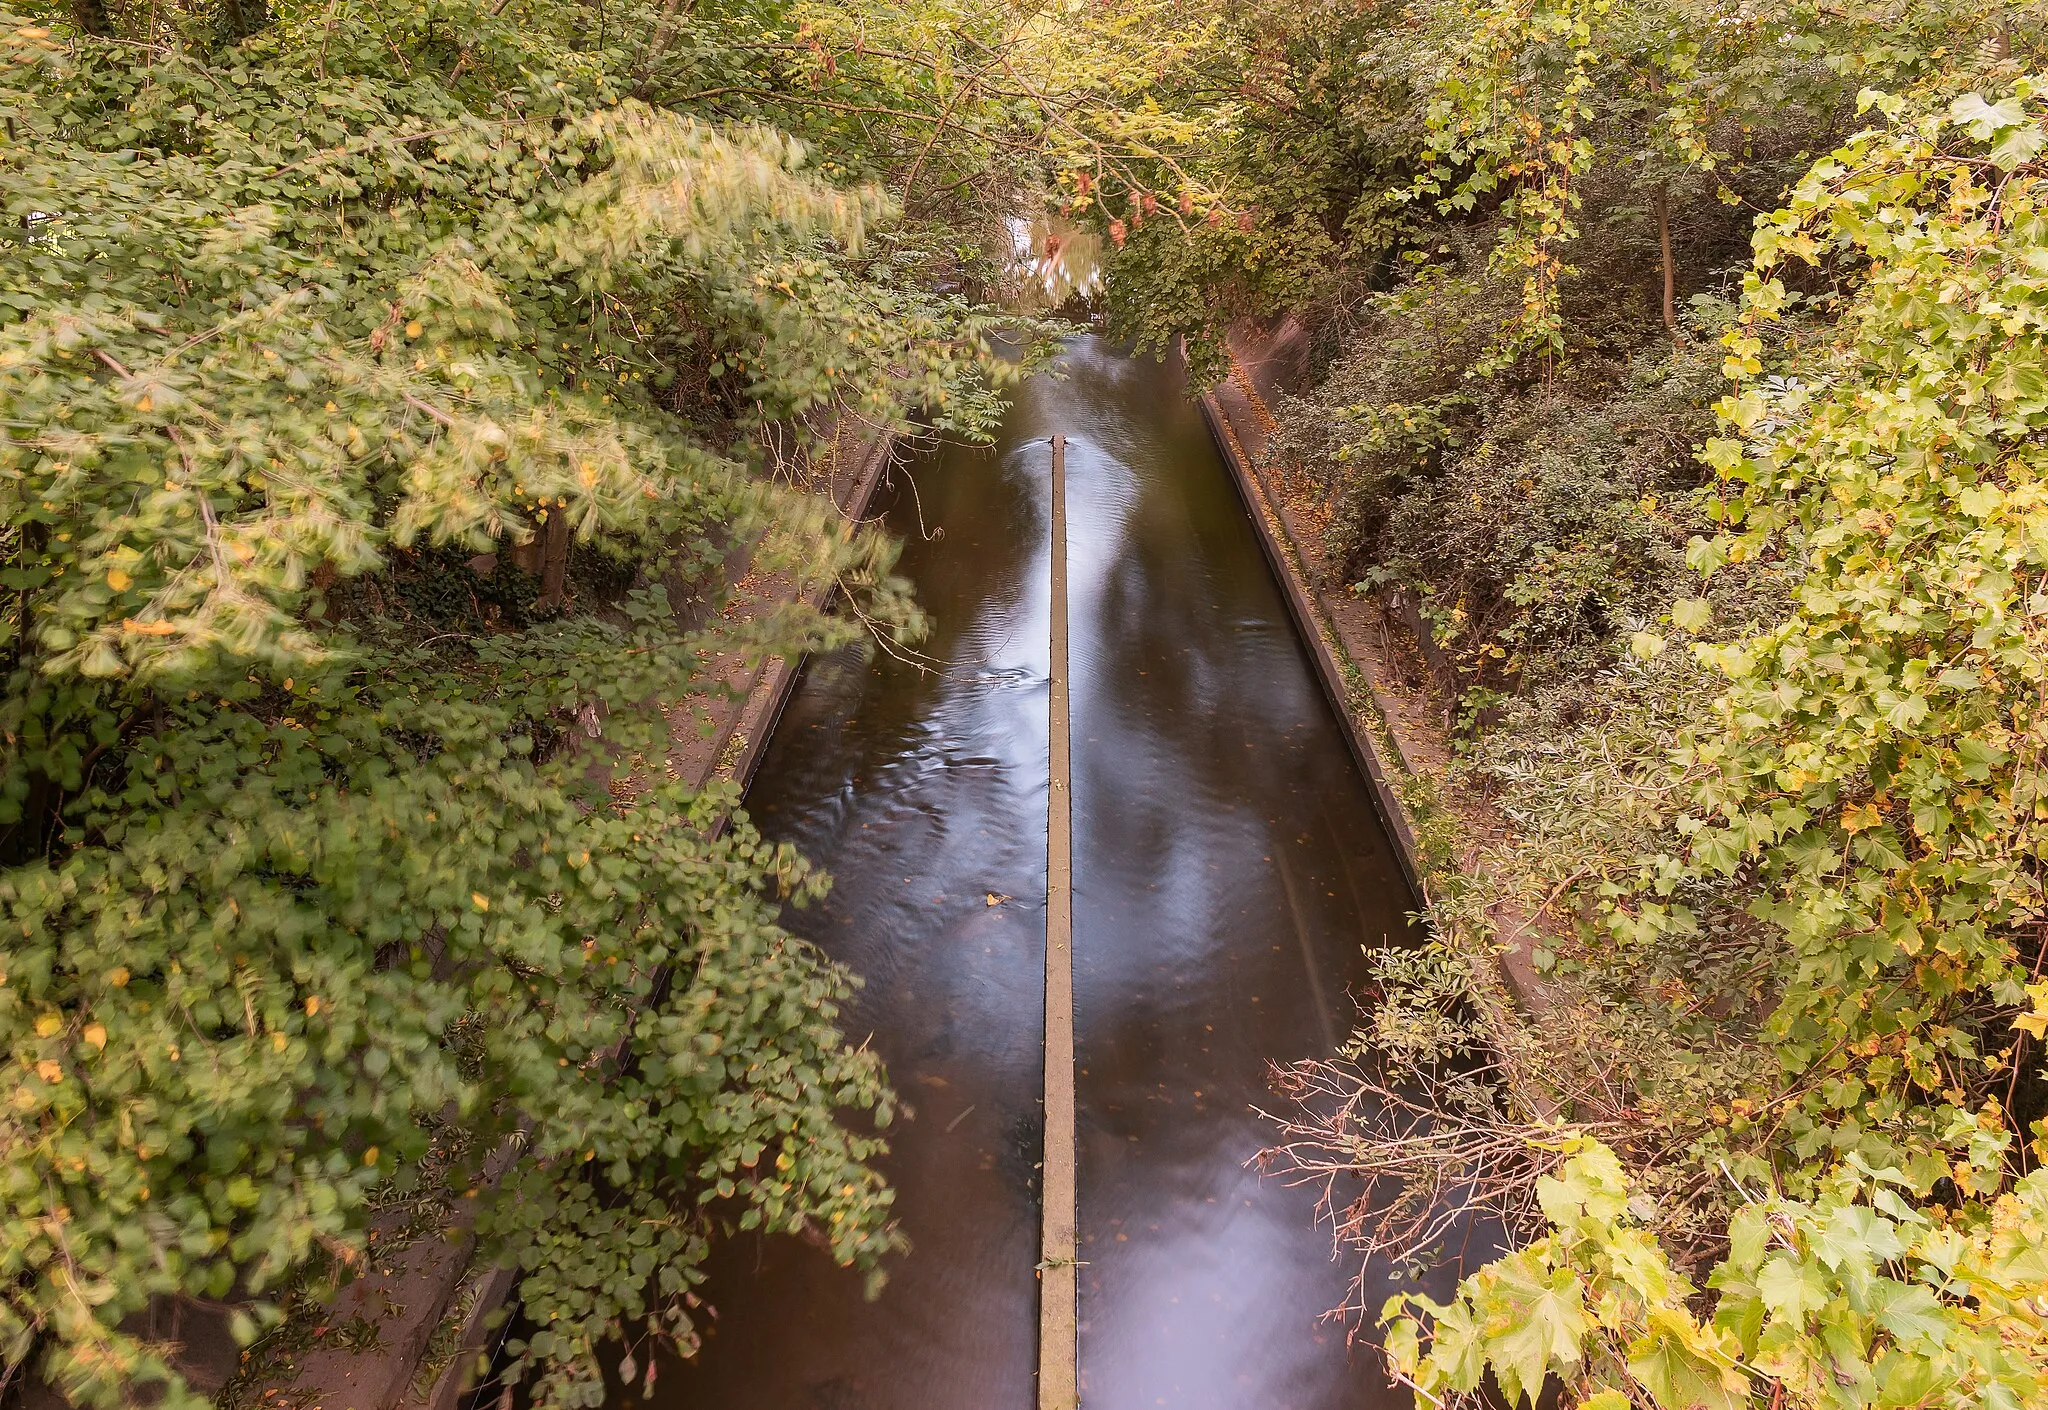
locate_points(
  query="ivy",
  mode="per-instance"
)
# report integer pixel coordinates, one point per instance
(1875, 758)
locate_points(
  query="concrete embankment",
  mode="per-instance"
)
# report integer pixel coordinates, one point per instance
(1368, 654)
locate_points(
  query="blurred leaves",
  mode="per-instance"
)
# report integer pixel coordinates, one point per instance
(339, 856)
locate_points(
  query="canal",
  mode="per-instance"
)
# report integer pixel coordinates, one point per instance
(1229, 872)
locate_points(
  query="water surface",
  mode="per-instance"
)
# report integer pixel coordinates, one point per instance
(1229, 869)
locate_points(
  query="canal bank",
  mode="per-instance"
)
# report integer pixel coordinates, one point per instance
(1230, 871)
(1374, 660)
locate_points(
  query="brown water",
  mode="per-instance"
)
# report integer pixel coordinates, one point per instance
(1228, 870)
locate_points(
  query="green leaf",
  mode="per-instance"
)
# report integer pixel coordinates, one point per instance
(1680, 1379)
(1984, 120)
(1791, 1288)
(1749, 1233)
(1692, 614)
(1981, 501)
(1912, 1314)
(1544, 1330)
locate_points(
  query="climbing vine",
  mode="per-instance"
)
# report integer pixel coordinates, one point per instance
(1867, 789)
(1876, 757)
(1857, 1297)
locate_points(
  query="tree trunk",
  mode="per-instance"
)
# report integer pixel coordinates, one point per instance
(672, 15)
(92, 18)
(554, 563)
(1670, 269)
(241, 18)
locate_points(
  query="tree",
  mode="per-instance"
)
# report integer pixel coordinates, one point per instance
(340, 852)
(1856, 814)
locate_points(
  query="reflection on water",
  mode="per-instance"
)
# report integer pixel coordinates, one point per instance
(1228, 870)
(1053, 260)
(924, 794)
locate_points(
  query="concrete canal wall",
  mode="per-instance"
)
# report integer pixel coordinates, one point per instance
(1372, 662)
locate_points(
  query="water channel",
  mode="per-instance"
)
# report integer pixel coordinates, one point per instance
(1229, 868)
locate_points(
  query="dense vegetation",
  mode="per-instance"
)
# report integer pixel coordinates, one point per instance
(393, 395)
(389, 393)
(1661, 325)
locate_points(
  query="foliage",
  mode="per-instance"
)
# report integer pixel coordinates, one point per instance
(1855, 1298)
(1873, 817)
(1791, 933)
(1874, 758)
(1338, 137)
(1527, 526)
(1328, 139)
(1527, 102)
(330, 833)
(1282, 182)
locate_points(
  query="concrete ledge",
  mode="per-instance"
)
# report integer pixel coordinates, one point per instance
(1383, 724)
(755, 725)
(1277, 543)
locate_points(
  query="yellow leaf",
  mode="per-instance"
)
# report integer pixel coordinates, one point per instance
(96, 1035)
(49, 1071)
(2036, 1022)
(1858, 816)
(483, 902)
(312, 1004)
(278, 1041)
(119, 977)
(47, 1024)
(118, 580)
(370, 1156)
(412, 329)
